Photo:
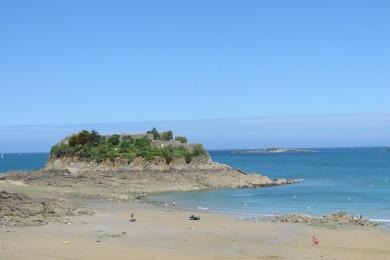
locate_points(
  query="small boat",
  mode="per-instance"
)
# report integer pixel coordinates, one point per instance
(2, 156)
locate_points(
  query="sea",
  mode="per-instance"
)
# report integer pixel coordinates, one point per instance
(355, 180)
(22, 161)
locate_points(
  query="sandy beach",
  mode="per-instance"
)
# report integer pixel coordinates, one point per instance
(169, 234)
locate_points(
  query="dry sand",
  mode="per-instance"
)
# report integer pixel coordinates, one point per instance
(158, 234)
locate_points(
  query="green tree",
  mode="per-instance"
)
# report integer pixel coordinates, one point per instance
(142, 143)
(94, 138)
(74, 140)
(84, 137)
(198, 150)
(167, 135)
(114, 139)
(91, 146)
(128, 138)
(181, 139)
(155, 133)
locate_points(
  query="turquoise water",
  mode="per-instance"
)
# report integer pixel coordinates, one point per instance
(353, 180)
(22, 161)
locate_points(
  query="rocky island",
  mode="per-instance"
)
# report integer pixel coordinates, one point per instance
(124, 167)
(273, 150)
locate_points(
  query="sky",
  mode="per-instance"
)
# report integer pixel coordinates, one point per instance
(93, 61)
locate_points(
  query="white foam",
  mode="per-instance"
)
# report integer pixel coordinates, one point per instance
(379, 220)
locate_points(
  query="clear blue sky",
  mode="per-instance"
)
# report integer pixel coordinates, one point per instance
(94, 61)
(108, 61)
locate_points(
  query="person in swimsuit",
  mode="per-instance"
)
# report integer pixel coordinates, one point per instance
(315, 241)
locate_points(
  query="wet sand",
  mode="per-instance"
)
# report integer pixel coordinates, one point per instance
(160, 234)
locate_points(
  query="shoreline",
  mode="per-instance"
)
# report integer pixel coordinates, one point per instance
(382, 224)
(147, 199)
(258, 217)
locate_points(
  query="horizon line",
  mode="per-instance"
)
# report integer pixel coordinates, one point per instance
(248, 149)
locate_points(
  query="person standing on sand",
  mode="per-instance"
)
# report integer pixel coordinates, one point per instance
(174, 204)
(360, 220)
(315, 241)
(132, 219)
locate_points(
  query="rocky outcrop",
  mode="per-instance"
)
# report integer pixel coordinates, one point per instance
(334, 219)
(129, 185)
(22, 210)
(200, 173)
(76, 165)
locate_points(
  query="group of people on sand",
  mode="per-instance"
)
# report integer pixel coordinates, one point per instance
(173, 204)
(132, 218)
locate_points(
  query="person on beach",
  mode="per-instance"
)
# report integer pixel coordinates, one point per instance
(132, 219)
(173, 204)
(315, 241)
(360, 220)
(165, 204)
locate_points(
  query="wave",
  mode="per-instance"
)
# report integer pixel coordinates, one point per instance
(379, 220)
